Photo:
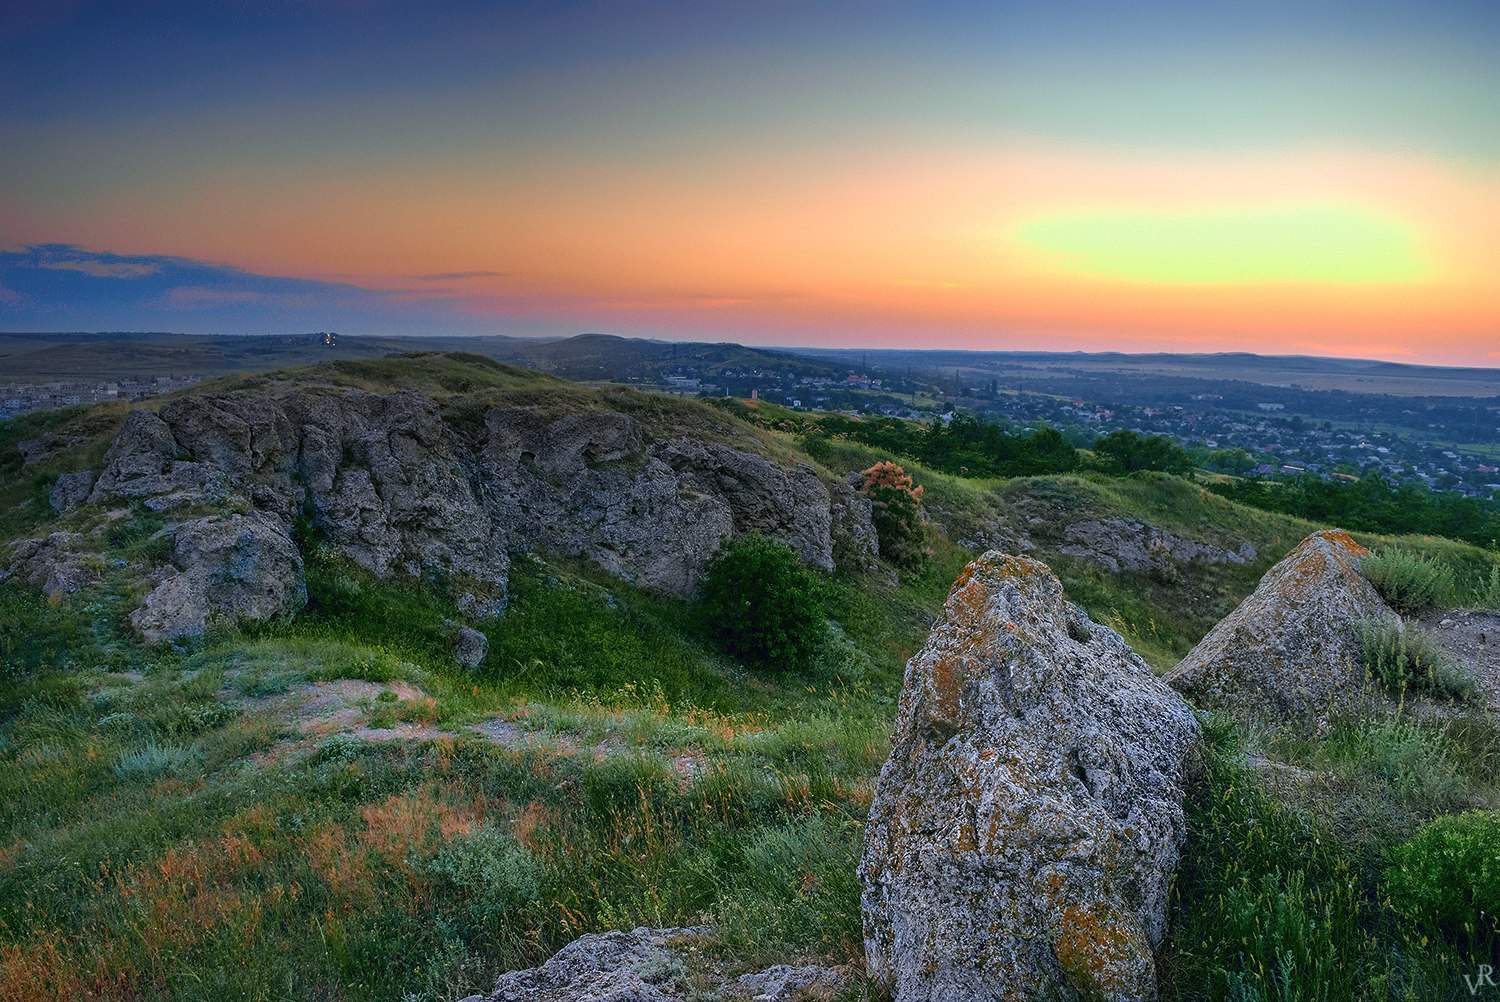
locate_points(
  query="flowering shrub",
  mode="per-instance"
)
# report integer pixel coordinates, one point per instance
(898, 517)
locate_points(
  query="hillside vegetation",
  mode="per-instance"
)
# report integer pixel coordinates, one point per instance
(327, 806)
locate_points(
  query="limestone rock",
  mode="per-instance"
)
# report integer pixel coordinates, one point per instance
(71, 490)
(647, 965)
(1289, 651)
(1027, 823)
(397, 487)
(44, 447)
(855, 540)
(638, 966)
(233, 567)
(784, 983)
(57, 564)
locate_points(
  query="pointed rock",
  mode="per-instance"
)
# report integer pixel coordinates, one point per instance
(1026, 826)
(1290, 651)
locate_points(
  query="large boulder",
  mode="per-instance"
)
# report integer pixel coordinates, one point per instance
(1290, 651)
(1026, 826)
(596, 485)
(224, 567)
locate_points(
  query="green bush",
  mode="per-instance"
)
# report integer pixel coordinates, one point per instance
(762, 606)
(1410, 582)
(1405, 656)
(1448, 875)
(490, 877)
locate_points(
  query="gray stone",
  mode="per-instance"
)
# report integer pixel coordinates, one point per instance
(1026, 826)
(1290, 651)
(469, 645)
(638, 966)
(385, 480)
(71, 490)
(855, 541)
(784, 983)
(229, 567)
(58, 564)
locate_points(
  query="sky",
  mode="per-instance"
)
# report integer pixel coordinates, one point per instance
(1301, 177)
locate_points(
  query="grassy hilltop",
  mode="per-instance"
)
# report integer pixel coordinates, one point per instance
(328, 807)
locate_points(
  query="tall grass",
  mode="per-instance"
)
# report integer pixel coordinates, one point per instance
(1402, 656)
(1408, 581)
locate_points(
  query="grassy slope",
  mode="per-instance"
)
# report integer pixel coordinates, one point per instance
(168, 829)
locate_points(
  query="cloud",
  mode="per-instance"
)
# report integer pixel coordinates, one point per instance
(456, 276)
(65, 287)
(65, 257)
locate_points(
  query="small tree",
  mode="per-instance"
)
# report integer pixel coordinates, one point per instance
(761, 606)
(899, 521)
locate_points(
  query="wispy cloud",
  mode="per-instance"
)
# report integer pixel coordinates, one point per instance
(457, 276)
(62, 286)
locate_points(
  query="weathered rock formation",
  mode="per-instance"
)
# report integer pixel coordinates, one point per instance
(399, 489)
(1128, 544)
(58, 564)
(646, 965)
(223, 566)
(1290, 651)
(71, 490)
(1027, 823)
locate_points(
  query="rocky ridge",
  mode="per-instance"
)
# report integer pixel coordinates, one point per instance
(398, 488)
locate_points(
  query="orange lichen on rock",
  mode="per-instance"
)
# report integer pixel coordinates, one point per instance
(1102, 952)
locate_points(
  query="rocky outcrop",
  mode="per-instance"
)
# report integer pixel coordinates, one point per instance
(399, 490)
(1027, 823)
(1290, 651)
(647, 965)
(58, 564)
(596, 486)
(1127, 544)
(224, 567)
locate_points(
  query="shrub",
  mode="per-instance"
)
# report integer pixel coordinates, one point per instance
(899, 522)
(761, 605)
(153, 761)
(492, 879)
(1408, 581)
(1402, 656)
(1448, 875)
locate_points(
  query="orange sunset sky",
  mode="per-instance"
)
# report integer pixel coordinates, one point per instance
(1278, 178)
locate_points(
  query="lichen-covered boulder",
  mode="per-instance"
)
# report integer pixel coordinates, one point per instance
(224, 567)
(1290, 651)
(1026, 826)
